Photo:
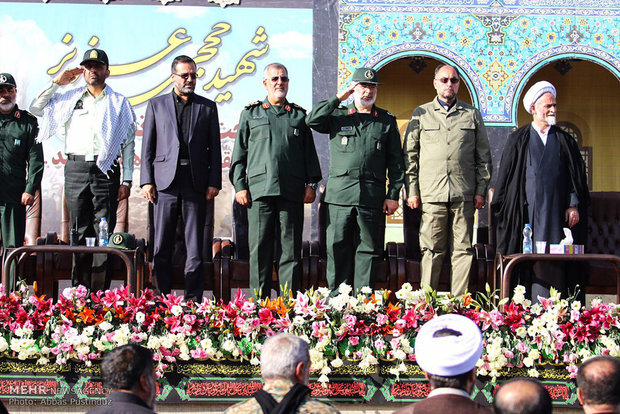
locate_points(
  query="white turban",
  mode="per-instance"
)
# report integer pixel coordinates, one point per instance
(453, 351)
(535, 92)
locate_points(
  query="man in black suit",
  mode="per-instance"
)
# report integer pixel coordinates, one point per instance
(447, 349)
(181, 172)
(127, 371)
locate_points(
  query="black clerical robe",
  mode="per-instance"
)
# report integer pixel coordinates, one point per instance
(510, 203)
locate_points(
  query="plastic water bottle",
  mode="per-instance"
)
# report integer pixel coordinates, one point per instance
(103, 232)
(527, 239)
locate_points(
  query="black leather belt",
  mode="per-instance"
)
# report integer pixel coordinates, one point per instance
(88, 158)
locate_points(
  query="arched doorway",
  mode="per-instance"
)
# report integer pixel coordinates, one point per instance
(588, 105)
(405, 84)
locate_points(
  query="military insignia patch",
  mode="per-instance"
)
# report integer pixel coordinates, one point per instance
(93, 54)
(288, 108)
(18, 114)
(376, 114)
(351, 110)
(346, 128)
(117, 239)
(79, 104)
(265, 105)
(2, 79)
(368, 74)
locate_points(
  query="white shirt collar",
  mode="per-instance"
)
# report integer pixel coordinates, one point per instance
(542, 135)
(449, 391)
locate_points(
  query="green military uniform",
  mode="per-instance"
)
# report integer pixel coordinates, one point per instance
(448, 162)
(274, 158)
(362, 146)
(278, 389)
(19, 154)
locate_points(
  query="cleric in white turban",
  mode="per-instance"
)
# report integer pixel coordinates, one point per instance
(535, 92)
(447, 348)
(541, 181)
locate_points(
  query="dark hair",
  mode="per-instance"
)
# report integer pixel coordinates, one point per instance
(122, 367)
(528, 397)
(181, 59)
(599, 380)
(443, 65)
(457, 381)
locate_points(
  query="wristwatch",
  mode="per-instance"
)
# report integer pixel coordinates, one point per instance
(312, 185)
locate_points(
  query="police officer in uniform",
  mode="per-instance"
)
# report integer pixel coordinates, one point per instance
(275, 170)
(364, 143)
(21, 163)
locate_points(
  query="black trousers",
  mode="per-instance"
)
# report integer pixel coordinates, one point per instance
(180, 197)
(90, 195)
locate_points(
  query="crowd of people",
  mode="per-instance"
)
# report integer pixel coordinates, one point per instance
(444, 163)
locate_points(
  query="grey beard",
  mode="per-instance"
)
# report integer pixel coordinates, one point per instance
(551, 120)
(7, 107)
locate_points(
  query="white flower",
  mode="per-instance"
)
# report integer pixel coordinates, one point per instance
(105, 326)
(337, 363)
(176, 310)
(366, 290)
(140, 317)
(344, 289)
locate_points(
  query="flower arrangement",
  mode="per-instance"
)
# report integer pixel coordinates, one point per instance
(364, 327)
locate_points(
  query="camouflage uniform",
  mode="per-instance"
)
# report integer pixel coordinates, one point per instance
(278, 389)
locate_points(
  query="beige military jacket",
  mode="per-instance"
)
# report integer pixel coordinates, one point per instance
(278, 389)
(447, 155)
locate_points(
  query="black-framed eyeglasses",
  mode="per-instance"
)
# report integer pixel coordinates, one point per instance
(452, 80)
(284, 79)
(186, 75)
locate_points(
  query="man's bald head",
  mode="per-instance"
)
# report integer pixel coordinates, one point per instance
(598, 380)
(522, 396)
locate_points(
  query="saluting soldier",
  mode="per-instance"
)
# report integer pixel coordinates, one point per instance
(364, 143)
(275, 170)
(21, 163)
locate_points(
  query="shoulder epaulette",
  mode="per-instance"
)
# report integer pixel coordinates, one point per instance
(390, 114)
(342, 107)
(301, 108)
(19, 113)
(253, 104)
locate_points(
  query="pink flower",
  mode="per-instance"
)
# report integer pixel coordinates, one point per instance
(522, 347)
(382, 319)
(265, 316)
(380, 344)
(248, 307)
(350, 320)
(354, 340)
(319, 328)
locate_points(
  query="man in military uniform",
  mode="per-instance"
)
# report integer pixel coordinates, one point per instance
(21, 163)
(448, 164)
(364, 142)
(274, 170)
(285, 368)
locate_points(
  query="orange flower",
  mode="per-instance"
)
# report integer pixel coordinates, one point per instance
(87, 315)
